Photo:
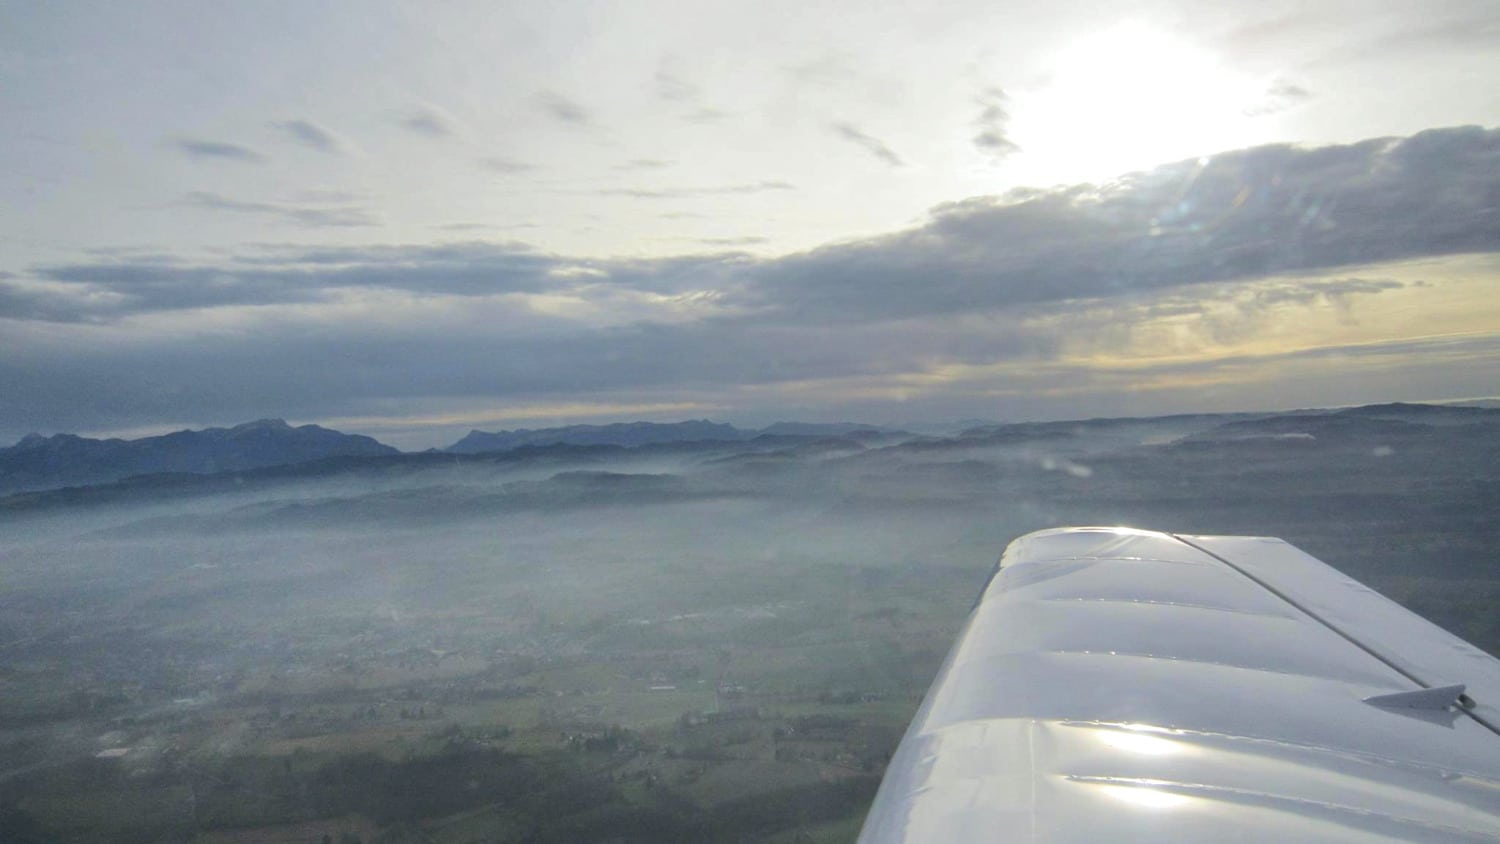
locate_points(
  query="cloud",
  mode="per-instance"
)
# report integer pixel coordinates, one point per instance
(1328, 289)
(1262, 297)
(421, 356)
(303, 215)
(990, 127)
(1446, 27)
(295, 275)
(875, 146)
(826, 70)
(672, 87)
(42, 301)
(562, 109)
(326, 195)
(1280, 96)
(310, 135)
(643, 164)
(1254, 213)
(472, 227)
(98, 293)
(1271, 210)
(318, 361)
(1239, 215)
(983, 298)
(750, 240)
(430, 121)
(217, 150)
(1286, 90)
(1212, 314)
(705, 114)
(685, 193)
(507, 166)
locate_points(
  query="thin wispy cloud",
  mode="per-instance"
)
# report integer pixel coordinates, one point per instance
(673, 86)
(562, 109)
(825, 70)
(749, 240)
(429, 121)
(1229, 314)
(705, 114)
(505, 166)
(1445, 27)
(991, 126)
(874, 146)
(476, 227)
(302, 215)
(328, 196)
(643, 164)
(683, 193)
(217, 150)
(310, 134)
(1289, 91)
(1281, 96)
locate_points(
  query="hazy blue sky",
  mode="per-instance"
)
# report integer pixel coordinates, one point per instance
(412, 219)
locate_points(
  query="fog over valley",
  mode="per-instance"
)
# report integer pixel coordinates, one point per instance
(690, 631)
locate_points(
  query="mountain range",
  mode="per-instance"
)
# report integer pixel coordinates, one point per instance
(39, 462)
(270, 448)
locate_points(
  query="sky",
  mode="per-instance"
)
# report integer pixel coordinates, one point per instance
(413, 219)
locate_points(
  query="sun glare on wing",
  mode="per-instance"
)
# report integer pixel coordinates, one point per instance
(1128, 98)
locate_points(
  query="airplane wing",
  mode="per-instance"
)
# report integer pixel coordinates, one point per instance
(1122, 685)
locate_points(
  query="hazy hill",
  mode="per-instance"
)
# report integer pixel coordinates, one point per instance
(632, 434)
(1425, 414)
(828, 429)
(39, 462)
(620, 433)
(1331, 426)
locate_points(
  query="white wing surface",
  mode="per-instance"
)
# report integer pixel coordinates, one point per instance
(1121, 685)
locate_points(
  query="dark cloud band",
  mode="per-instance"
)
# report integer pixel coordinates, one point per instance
(1239, 215)
(957, 290)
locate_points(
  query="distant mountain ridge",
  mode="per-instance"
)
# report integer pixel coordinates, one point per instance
(1428, 414)
(38, 462)
(270, 449)
(618, 433)
(631, 434)
(1396, 419)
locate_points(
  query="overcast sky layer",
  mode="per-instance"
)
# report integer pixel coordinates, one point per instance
(409, 220)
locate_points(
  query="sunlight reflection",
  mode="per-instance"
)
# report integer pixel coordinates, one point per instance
(1140, 743)
(1146, 798)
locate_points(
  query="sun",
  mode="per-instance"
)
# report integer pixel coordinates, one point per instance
(1128, 98)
